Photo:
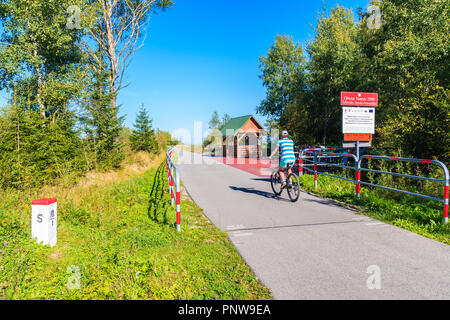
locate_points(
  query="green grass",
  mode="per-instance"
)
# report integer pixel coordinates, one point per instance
(415, 214)
(122, 240)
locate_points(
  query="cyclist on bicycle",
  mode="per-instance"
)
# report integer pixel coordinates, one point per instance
(286, 146)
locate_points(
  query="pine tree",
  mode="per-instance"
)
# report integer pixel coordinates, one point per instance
(143, 137)
(102, 123)
(42, 70)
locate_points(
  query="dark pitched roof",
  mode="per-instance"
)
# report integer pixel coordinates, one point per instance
(237, 123)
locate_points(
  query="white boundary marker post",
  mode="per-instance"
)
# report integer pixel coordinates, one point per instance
(44, 221)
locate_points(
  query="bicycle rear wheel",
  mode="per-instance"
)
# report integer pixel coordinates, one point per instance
(294, 189)
(275, 182)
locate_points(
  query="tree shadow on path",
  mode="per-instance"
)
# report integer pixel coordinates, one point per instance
(158, 203)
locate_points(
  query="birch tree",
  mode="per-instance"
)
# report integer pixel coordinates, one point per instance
(117, 32)
(35, 46)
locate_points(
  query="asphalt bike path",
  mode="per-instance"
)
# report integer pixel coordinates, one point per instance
(314, 248)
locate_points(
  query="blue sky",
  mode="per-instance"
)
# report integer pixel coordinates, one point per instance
(202, 55)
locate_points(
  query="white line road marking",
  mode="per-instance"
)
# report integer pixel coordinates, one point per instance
(374, 223)
(241, 234)
(235, 227)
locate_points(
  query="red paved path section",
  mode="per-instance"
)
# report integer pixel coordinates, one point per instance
(260, 168)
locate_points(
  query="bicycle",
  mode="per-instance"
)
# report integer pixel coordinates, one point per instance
(293, 185)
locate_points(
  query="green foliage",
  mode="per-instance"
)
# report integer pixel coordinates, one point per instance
(215, 125)
(335, 65)
(143, 136)
(406, 61)
(225, 118)
(62, 117)
(410, 56)
(303, 95)
(37, 49)
(101, 122)
(35, 152)
(283, 75)
(103, 127)
(41, 67)
(164, 140)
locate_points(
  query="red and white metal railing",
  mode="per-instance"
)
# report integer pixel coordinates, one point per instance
(173, 177)
(444, 181)
(318, 153)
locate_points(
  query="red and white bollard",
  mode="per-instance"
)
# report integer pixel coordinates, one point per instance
(315, 175)
(178, 208)
(300, 167)
(358, 184)
(446, 203)
(44, 221)
(178, 198)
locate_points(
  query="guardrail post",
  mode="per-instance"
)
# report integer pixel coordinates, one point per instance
(168, 174)
(171, 189)
(178, 200)
(315, 170)
(358, 179)
(446, 187)
(446, 202)
(358, 172)
(300, 166)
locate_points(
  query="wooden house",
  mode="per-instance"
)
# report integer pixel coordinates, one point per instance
(242, 138)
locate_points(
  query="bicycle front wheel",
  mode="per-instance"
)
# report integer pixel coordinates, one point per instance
(294, 189)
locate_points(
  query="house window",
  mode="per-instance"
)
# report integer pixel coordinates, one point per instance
(246, 140)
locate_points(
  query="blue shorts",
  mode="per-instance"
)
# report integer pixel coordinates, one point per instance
(284, 163)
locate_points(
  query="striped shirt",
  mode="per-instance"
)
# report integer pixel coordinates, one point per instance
(287, 150)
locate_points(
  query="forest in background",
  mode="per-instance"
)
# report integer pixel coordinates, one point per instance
(405, 59)
(62, 64)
